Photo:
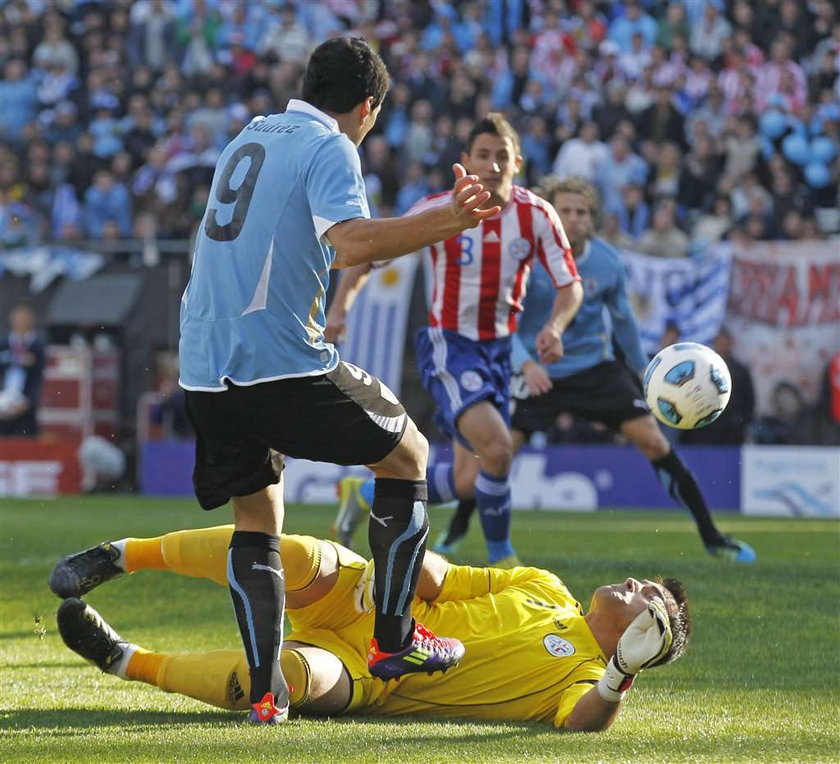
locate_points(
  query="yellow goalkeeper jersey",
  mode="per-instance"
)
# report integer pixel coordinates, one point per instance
(529, 652)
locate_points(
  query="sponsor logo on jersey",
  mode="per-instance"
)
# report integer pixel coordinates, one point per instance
(557, 646)
(519, 248)
(491, 237)
(471, 381)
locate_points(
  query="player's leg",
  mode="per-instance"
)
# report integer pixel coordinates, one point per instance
(397, 533)
(355, 419)
(234, 463)
(466, 465)
(355, 497)
(469, 381)
(483, 426)
(198, 553)
(319, 685)
(682, 486)
(464, 470)
(257, 589)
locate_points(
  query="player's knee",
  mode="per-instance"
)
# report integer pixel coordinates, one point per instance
(653, 446)
(414, 454)
(465, 486)
(497, 457)
(418, 454)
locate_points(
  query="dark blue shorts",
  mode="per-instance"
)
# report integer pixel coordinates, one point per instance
(458, 373)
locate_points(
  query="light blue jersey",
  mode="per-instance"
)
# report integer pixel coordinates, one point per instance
(588, 340)
(254, 308)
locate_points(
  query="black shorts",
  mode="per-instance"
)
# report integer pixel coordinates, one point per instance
(608, 393)
(345, 416)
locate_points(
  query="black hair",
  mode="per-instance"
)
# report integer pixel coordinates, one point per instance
(493, 124)
(679, 618)
(342, 73)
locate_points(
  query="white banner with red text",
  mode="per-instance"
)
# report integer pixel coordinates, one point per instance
(784, 312)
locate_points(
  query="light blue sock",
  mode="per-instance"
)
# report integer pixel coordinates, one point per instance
(441, 482)
(492, 495)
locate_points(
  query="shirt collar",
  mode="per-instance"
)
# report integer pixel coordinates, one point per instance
(295, 104)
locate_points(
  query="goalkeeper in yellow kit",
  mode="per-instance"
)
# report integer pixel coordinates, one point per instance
(531, 652)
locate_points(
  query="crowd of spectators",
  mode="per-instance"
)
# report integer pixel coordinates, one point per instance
(696, 119)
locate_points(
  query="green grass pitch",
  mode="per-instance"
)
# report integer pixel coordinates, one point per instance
(760, 682)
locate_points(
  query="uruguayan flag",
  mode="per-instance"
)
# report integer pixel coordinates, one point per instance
(376, 324)
(690, 292)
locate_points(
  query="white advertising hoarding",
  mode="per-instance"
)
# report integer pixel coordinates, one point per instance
(795, 481)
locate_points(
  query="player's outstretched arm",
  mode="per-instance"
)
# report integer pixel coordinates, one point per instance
(645, 642)
(350, 283)
(362, 240)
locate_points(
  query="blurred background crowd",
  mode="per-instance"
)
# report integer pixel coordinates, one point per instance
(699, 121)
(696, 119)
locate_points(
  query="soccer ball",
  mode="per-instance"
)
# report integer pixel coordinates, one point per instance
(687, 385)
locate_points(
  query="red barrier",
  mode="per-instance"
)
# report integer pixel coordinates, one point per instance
(31, 467)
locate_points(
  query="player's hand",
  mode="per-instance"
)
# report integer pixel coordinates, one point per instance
(646, 640)
(549, 346)
(363, 591)
(536, 378)
(468, 196)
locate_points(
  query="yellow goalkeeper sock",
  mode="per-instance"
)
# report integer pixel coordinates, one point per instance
(143, 666)
(203, 553)
(219, 677)
(143, 554)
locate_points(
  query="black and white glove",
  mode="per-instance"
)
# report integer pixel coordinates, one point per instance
(645, 641)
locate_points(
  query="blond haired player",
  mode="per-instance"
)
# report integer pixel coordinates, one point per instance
(532, 654)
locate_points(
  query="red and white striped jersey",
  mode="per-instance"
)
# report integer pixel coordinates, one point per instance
(480, 276)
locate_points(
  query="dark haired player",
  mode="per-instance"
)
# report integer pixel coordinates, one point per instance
(532, 654)
(287, 204)
(480, 278)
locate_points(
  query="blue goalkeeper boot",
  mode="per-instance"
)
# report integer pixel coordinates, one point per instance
(426, 652)
(733, 550)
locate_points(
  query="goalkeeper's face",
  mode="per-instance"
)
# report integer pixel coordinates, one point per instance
(624, 601)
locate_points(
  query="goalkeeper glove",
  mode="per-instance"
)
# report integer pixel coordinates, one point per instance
(363, 591)
(645, 641)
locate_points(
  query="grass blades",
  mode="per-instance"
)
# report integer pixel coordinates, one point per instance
(760, 682)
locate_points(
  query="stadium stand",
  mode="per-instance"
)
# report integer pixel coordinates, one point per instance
(113, 113)
(699, 121)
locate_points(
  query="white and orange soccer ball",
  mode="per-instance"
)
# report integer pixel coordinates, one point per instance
(687, 385)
